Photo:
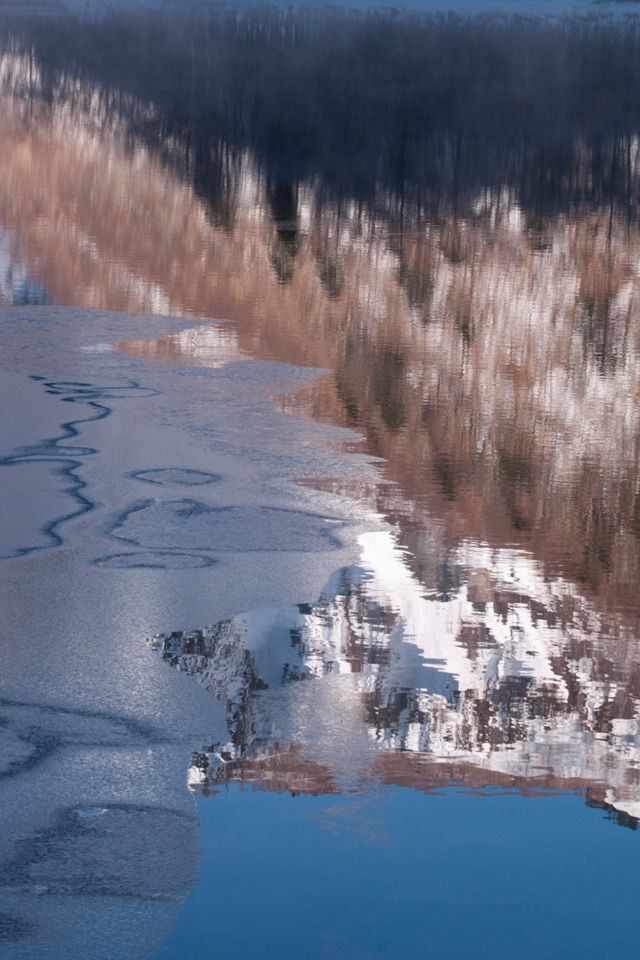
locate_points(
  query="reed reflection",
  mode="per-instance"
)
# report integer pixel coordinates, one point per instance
(486, 344)
(458, 247)
(505, 404)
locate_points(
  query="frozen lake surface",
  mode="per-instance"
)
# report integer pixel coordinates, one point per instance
(100, 838)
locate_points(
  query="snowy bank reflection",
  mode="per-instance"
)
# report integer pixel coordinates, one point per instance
(506, 679)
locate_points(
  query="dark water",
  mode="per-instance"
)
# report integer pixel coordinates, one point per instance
(419, 730)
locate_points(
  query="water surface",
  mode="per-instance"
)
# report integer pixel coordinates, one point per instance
(322, 346)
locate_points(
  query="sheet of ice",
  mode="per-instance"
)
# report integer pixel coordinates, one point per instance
(99, 842)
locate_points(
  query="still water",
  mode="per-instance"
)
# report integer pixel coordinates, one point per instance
(402, 874)
(344, 500)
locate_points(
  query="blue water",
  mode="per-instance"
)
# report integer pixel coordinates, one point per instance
(400, 874)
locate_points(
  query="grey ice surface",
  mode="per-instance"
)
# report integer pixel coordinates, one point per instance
(102, 458)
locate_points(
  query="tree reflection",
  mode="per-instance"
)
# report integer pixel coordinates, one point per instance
(435, 109)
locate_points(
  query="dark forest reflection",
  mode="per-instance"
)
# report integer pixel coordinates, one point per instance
(505, 681)
(429, 111)
(443, 213)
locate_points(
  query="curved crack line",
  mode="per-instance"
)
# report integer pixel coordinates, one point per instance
(60, 859)
(121, 732)
(50, 529)
(131, 725)
(51, 449)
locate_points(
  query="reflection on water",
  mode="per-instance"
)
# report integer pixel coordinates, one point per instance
(505, 679)
(441, 214)
(16, 286)
(477, 305)
(474, 290)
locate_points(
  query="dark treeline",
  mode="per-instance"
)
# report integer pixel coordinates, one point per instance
(432, 109)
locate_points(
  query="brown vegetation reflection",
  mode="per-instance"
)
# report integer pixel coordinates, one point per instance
(497, 377)
(490, 358)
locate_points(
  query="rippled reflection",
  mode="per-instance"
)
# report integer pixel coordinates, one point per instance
(505, 679)
(443, 214)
